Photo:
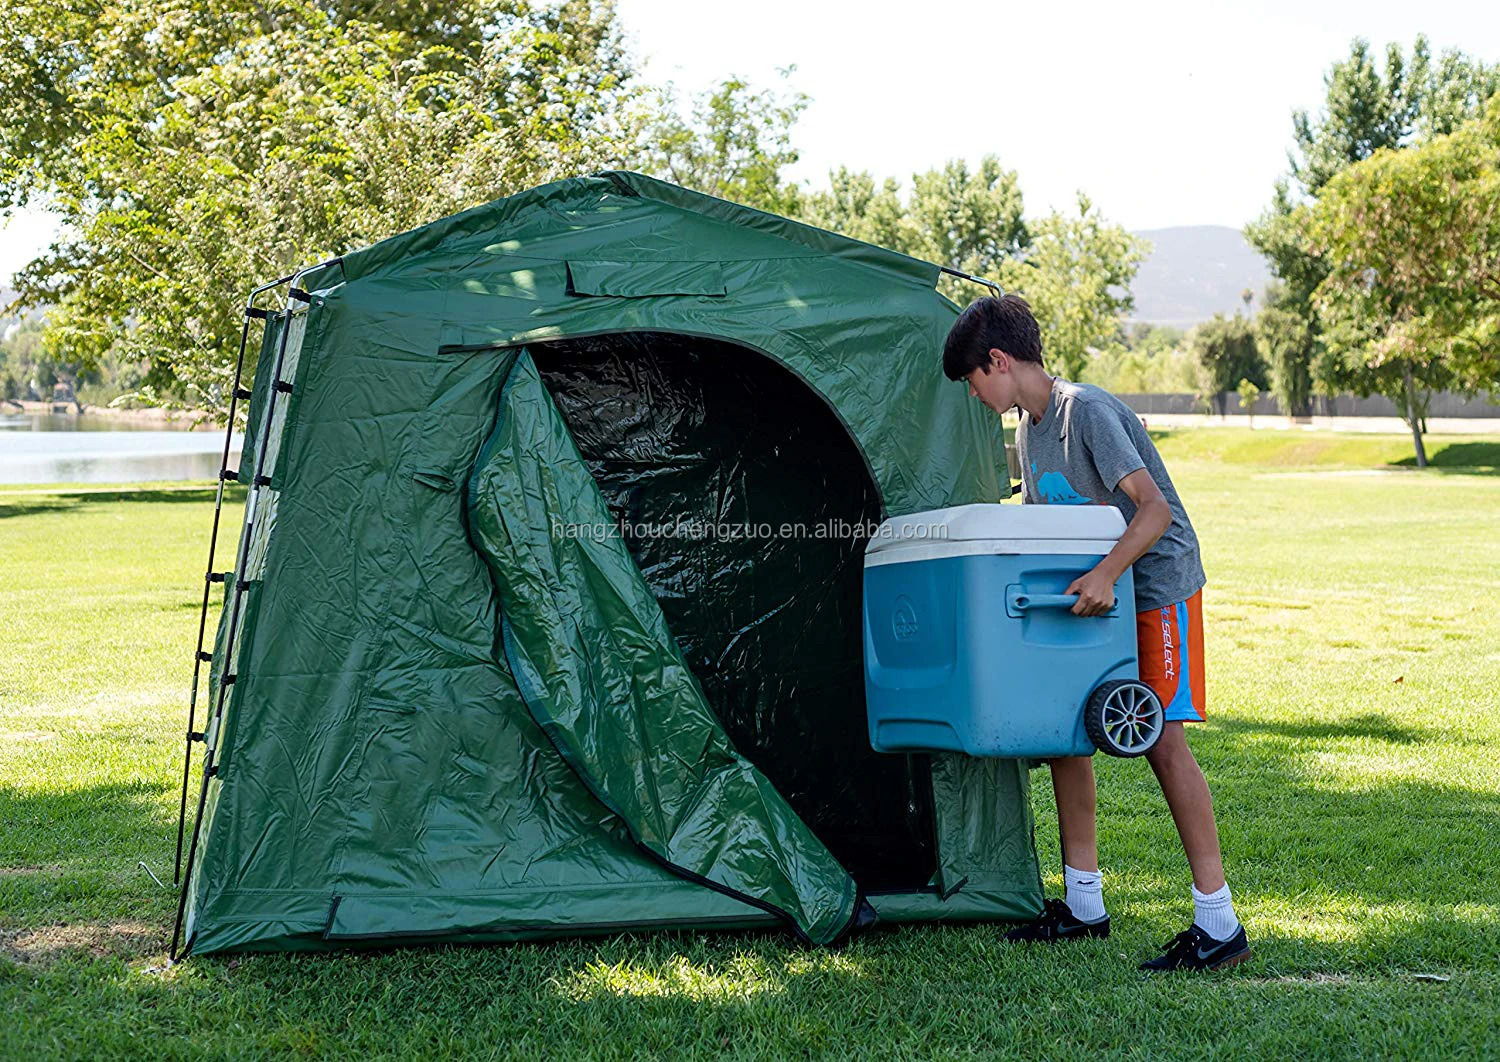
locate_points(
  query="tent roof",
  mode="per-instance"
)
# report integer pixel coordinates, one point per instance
(624, 209)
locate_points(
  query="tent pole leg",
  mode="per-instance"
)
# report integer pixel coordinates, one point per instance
(172, 950)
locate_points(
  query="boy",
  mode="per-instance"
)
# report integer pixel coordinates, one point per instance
(1079, 445)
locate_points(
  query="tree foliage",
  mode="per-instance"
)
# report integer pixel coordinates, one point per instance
(854, 205)
(192, 152)
(71, 70)
(195, 164)
(735, 144)
(1367, 108)
(1410, 246)
(1076, 273)
(1074, 268)
(966, 219)
(1226, 354)
(1284, 338)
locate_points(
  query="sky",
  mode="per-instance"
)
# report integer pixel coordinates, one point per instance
(1163, 113)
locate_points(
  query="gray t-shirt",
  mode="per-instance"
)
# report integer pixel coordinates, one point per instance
(1077, 454)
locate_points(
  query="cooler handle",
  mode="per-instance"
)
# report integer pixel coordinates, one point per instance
(1017, 601)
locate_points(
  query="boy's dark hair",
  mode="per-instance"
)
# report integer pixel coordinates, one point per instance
(1002, 322)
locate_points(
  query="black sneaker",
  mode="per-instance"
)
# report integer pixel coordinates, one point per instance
(1193, 949)
(1055, 923)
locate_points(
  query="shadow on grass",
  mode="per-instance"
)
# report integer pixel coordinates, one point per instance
(1348, 883)
(1474, 458)
(1322, 822)
(69, 858)
(79, 820)
(1369, 725)
(80, 500)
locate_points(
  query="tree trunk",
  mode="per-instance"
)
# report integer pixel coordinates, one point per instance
(1414, 417)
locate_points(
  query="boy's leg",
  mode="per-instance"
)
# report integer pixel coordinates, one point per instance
(1083, 888)
(1170, 652)
(1187, 794)
(1073, 784)
(1081, 914)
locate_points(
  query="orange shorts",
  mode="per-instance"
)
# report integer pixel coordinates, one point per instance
(1169, 644)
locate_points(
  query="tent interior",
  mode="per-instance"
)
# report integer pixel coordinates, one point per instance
(700, 447)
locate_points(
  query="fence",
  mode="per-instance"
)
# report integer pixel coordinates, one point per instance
(1228, 402)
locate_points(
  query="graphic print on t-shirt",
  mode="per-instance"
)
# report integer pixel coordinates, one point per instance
(1053, 488)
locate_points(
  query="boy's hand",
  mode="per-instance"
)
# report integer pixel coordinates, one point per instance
(1096, 593)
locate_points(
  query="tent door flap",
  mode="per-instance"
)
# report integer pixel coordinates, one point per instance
(602, 675)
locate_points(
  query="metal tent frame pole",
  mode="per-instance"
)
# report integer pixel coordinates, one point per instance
(236, 395)
(995, 289)
(260, 479)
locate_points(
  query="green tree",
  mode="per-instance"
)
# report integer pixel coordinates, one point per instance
(1365, 108)
(1410, 244)
(1225, 351)
(966, 219)
(189, 165)
(855, 206)
(735, 144)
(1119, 368)
(1249, 395)
(1076, 273)
(71, 70)
(969, 220)
(20, 354)
(1284, 338)
(1075, 269)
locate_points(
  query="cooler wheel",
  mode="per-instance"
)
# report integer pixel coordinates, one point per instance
(1124, 717)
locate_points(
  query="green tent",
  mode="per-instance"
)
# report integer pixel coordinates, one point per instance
(545, 618)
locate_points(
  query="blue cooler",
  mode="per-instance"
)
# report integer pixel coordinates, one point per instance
(970, 644)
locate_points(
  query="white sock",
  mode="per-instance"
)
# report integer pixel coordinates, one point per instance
(1085, 894)
(1214, 913)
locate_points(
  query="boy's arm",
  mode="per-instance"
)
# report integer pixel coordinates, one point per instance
(1096, 589)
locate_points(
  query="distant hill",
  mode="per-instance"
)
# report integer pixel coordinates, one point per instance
(1194, 272)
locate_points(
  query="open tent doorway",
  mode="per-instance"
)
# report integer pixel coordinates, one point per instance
(746, 506)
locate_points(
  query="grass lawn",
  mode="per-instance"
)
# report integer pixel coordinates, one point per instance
(1353, 747)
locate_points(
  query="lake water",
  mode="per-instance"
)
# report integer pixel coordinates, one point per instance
(63, 448)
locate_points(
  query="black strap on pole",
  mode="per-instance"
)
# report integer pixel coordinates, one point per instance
(173, 952)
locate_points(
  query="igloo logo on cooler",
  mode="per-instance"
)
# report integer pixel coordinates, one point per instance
(904, 620)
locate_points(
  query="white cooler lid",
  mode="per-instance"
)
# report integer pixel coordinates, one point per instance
(966, 530)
